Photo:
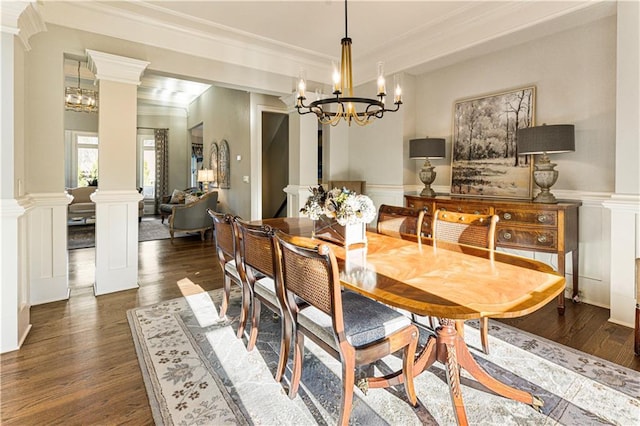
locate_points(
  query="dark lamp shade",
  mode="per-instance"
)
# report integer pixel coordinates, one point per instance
(550, 139)
(426, 148)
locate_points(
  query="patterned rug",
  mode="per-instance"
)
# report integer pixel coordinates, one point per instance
(197, 372)
(82, 235)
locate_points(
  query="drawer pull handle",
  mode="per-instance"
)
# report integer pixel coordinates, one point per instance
(542, 238)
(542, 218)
(506, 235)
(459, 209)
(507, 216)
(476, 212)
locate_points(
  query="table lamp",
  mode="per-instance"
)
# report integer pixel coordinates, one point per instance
(427, 148)
(545, 140)
(205, 176)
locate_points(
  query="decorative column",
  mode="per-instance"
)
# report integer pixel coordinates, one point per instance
(19, 22)
(303, 157)
(625, 203)
(116, 197)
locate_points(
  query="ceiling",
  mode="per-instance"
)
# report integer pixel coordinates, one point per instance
(281, 37)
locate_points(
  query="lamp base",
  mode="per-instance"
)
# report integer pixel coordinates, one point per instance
(545, 196)
(545, 176)
(427, 191)
(427, 176)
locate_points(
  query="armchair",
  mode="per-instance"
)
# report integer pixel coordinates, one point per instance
(193, 217)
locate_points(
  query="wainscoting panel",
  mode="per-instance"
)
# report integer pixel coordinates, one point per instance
(116, 240)
(47, 248)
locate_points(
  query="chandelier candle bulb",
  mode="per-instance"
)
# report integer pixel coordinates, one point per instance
(336, 78)
(397, 99)
(381, 83)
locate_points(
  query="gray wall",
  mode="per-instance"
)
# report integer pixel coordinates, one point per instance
(575, 77)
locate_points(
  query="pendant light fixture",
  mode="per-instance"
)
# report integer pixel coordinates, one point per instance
(79, 99)
(343, 105)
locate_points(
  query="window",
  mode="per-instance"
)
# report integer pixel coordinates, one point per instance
(82, 155)
(147, 165)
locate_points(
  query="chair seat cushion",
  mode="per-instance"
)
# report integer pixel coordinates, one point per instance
(365, 321)
(266, 288)
(230, 269)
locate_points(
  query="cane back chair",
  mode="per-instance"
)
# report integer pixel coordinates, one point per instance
(352, 328)
(397, 221)
(226, 249)
(470, 229)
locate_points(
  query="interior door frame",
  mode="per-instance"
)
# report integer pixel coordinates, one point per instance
(256, 159)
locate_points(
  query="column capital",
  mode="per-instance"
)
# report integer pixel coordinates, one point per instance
(21, 18)
(116, 68)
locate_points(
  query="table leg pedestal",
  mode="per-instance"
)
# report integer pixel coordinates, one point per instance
(450, 349)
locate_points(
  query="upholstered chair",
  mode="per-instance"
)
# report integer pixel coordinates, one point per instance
(353, 328)
(192, 217)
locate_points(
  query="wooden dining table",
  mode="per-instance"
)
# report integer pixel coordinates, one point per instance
(444, 280)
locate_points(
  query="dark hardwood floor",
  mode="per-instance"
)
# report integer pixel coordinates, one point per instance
(78, 364)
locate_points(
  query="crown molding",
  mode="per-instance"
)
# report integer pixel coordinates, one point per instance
(22, 19)
(188, 35)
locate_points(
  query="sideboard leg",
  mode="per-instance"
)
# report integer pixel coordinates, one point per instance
(561, 270)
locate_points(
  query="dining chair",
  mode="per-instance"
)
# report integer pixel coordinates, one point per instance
(352, 328)
(256, 269)
(396, 221)
(470, 229)
(227, 251)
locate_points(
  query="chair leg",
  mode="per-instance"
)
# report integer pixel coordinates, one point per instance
(348, 382)
(408, 360)
(171, 234)
(244, 311)
(285, 344)
(201, 235)
(255, 323)
(298, 355)
(225, 296)
(460, 328)
(484, 334)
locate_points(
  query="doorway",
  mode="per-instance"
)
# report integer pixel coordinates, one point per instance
(275, 163)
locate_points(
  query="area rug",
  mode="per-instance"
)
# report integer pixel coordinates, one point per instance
(149, 229)
(197, 372)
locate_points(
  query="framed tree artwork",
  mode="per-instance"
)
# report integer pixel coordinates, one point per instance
(213, 164)
(484, 155)
(224, 176)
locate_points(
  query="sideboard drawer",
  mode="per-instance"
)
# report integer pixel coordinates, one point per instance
(463, 207)
(417, 204)
(528, 217)
(507, 236)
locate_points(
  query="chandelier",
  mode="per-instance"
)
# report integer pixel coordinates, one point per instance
(80, 100)
(343, 105)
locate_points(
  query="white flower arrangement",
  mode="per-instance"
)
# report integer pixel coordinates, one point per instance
(345, 206)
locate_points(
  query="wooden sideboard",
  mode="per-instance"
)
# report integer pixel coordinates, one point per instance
(523, 225)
